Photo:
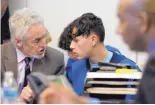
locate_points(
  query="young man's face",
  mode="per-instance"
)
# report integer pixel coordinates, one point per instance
(82, 46)
(72, 55)
(35, 42)
(130, 25)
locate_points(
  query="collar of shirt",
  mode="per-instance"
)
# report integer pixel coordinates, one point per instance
(151, 48)
(20, 55)
(106, 60)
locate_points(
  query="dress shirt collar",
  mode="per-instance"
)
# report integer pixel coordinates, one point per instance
(20, 55)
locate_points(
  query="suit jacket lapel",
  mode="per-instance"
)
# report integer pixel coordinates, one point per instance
(38, 65)
(11, 59)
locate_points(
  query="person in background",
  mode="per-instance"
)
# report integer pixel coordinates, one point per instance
(28, 51)
(5, 33)
(4, 5)
(137, 27)
(85, 38)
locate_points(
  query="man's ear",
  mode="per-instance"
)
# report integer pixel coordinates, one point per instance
(144, 22)
(94, 39)
(18, 42)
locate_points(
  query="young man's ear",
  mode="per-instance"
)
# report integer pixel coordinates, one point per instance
(94, 39)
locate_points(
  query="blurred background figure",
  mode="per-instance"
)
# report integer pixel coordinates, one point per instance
(52, 96)
(5, 33)
(137, 27)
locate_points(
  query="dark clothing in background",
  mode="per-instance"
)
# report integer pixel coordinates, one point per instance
(146, 92)
(5, 33)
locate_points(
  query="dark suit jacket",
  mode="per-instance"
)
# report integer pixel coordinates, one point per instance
(5, 33)
(51, 64)
(146, 92)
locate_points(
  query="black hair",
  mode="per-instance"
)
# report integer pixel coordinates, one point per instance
(85, 24)
(88, 23)
(66, 36)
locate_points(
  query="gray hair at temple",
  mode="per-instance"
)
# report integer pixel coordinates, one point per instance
(21, 21)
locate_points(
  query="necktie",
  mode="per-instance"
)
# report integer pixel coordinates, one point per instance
(27, 70)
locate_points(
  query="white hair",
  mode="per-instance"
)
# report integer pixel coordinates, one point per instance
(21, 21)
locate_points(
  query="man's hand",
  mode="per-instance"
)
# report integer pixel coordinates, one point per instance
(26, 95)
(56, 94)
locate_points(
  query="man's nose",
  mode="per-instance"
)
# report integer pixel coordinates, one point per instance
(72, 45)
(43, 43)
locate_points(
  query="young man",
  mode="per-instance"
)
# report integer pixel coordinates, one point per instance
(85, 35)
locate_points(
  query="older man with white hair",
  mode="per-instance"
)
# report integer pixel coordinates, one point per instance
(28, 52)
